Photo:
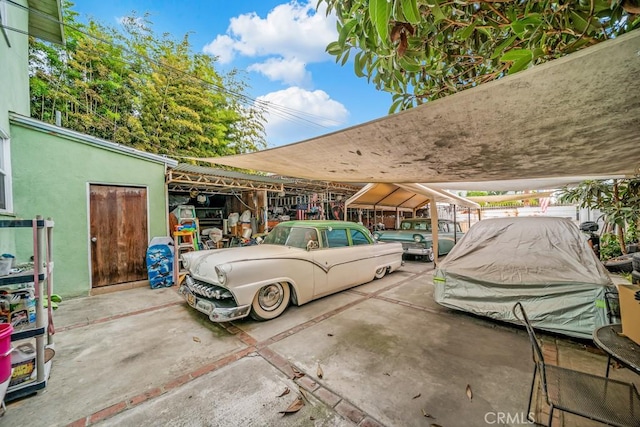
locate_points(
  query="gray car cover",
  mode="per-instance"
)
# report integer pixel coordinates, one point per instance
(543, 262)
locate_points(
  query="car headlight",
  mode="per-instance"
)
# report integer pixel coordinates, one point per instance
(222, 275)
(376, 236)
(417, 238)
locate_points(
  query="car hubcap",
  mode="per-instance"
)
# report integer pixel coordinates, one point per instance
(270, 297)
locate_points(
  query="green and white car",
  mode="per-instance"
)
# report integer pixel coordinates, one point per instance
(415, 236)
(297, 262)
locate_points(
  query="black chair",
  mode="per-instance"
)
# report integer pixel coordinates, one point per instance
(598, 398)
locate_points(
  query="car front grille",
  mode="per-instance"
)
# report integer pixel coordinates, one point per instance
(207, 290)
(413, 245)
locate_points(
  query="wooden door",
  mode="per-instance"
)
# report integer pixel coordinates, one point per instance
(119, 236)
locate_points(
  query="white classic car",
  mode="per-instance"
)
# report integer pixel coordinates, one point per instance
(297, 262)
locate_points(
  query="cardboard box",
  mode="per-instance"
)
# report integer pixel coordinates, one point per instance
(23, 362)
(630, 311)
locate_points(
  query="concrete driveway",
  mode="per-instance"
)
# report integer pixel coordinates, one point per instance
(388, 356)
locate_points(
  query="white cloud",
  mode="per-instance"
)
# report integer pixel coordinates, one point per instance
(291, 31)
(294, 109)
(289, 71)
(222, 47)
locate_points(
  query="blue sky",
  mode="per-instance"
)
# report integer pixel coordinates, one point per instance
(279, 45)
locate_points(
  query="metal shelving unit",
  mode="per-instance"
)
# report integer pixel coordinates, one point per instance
(42, 278)
(210, 217)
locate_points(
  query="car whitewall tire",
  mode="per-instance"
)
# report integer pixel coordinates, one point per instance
(381, 272)
(270, 301)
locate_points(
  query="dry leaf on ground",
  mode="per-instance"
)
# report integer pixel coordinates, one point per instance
(196, 339)
(320, 373)
(426, 414)
(469, 392)
(285, 392)
(296, 372)
(294, 407)
(417, 395)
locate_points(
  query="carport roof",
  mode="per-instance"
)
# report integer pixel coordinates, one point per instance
(186, 177)
(559, 121)
(403, 197)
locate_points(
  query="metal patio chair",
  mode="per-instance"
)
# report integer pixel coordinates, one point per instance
(598, 398)
(612, 303)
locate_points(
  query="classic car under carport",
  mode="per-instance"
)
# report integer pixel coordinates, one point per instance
(297, 262)
(416, 236)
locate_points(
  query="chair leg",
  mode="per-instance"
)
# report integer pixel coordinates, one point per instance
(608, 366)
(550, 416)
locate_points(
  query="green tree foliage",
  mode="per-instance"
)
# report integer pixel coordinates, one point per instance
(420, 50)
(131, 87)
(617, 199)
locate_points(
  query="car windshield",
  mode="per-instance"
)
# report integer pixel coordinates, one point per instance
(291, 236)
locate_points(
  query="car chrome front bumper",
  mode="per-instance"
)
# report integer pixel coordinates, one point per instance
(413, 249)
(209, 307)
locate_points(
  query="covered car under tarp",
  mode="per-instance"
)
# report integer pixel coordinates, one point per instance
(543, 262)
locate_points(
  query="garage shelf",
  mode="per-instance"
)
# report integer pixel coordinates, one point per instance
(42, 278)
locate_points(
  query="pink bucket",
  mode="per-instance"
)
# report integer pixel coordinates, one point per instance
(5, 351)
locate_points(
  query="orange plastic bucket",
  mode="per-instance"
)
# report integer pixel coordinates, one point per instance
(5, 351)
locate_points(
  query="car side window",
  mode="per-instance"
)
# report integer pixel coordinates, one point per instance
(280, 235)
(298, 237)
(358, 238)
(405, 225)
(337, 238)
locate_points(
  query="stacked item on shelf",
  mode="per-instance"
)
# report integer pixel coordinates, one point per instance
(22, 306)
(185, 237)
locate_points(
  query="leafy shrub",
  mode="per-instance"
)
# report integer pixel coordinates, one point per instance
(609, 246)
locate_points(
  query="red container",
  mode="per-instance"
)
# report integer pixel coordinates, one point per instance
(5, 351)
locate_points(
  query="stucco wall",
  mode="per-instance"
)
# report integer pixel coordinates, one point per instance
(51, 174)
(14, 88)
(14, 61)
